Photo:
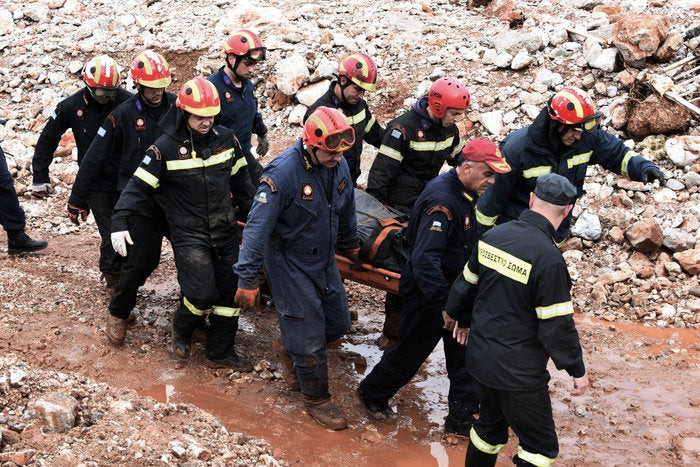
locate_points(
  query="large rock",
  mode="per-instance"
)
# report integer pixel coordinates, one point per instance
(7, 24)
(505, 10)
(679, 240)
(600, 58)
(657, 115)
(587, 226)
(291, 73)
(638, 36)
(56, 410)
(683, 150)
(310, 94)
(689, 260)
(645, 235)
(513, 41)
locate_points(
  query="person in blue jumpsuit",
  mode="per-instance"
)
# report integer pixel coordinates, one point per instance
(565, 139)
(200, 169)
(239, 106)
(441, 234)
(117, 150)
(303, 210)
(12, 216)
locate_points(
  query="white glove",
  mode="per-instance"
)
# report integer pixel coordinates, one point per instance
(42, 190)
(119, 241)
(263, 146)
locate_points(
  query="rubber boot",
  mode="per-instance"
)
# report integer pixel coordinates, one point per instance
(19, 242)
(458, 425)
(476, 458)
(181, 346)
(233, 362)
(115, 330)
(325, 413)
(289, 373)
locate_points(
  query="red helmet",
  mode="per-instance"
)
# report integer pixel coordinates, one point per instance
(361, 70)
(573, 106)
(101, 72)
(199, 97)
(447, 93)
(150, 69)
(245, 43)
(327, 129)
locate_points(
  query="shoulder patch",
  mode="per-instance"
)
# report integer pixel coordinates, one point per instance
(262, 197)
(398, 132)
(342, 186)
(101, 132)
(441, 209)
(269, 182)
(146, 160)
(155, 151)
(436, 226)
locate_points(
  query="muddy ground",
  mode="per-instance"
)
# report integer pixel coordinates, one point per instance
(641, 409)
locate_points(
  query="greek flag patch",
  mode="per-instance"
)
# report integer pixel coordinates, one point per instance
(53, 115)
(437, 226)
(146, 160)
(395, 133)
(101, 132)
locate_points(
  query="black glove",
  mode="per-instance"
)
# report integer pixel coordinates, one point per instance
(651, 173)
(75, 214)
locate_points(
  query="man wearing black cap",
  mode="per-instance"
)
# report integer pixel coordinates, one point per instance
(441, 234)
(514, 296)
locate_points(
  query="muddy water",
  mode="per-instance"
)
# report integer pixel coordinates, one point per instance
(630, 399)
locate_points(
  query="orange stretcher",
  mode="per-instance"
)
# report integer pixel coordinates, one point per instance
(378, 278)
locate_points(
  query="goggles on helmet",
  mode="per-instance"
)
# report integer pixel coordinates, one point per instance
(257, 54)
(338, 142)
(101, 93)
(588, 124)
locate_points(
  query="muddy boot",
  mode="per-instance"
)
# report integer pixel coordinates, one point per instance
(181, 346)
(115, 330)
(458, 425)
(325, 413)
(289, 373)
(379, 411)
(233, 362)
(19, 242)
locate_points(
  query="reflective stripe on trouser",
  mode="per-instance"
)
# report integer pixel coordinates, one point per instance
(102, 204)
(305, 338)
(142, 259)
(208, 285)
(420, 331)
(527, 413)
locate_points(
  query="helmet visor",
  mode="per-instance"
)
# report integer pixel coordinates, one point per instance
(339, 142)
(257, 54)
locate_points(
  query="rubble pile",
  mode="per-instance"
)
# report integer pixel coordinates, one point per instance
(66, 419)
(512, 55)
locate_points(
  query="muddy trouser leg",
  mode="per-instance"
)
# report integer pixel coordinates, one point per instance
(392, 319)
(141, 260)
(420, 331)
(305, 335)
(529, 415)
(223, 320)
(196, 276)
(11, 214)
(463, 397)
(102, 205)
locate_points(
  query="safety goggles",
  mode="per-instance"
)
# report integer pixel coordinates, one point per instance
(257, 54)
(339, 142)
(588, 124)
(101, 93)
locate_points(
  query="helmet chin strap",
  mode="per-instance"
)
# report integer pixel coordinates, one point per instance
(238, 77)
(348, 82)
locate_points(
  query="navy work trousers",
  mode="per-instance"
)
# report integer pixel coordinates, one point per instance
(11, 214)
